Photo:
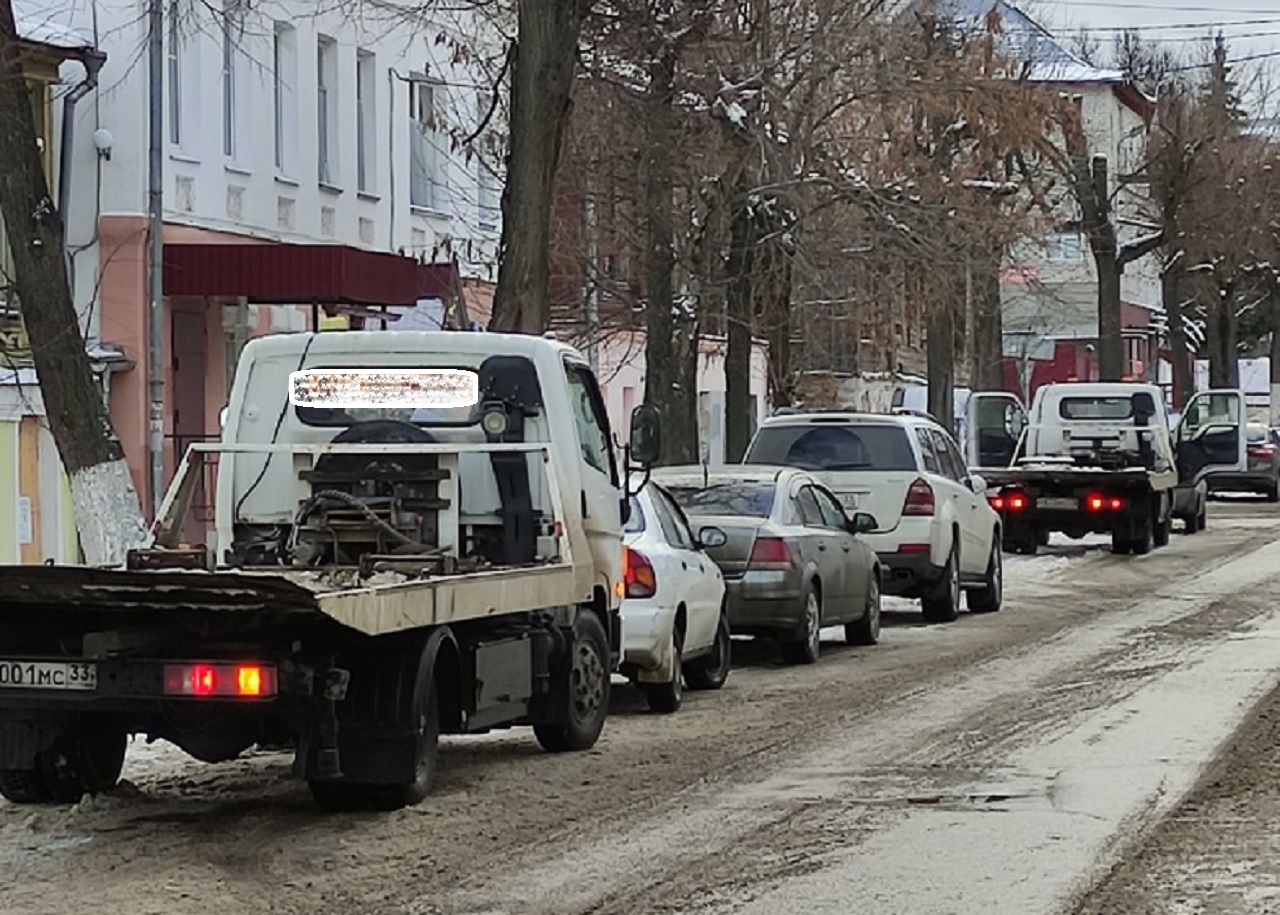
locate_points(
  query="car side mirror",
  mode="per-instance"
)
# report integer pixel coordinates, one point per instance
(645, 446)
(977, 483)
(863, 523)
(711, 538)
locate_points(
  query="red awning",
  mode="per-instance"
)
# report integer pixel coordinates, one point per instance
(285, 274)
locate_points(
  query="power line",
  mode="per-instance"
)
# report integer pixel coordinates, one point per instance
(1163, 7)
(1215, 25)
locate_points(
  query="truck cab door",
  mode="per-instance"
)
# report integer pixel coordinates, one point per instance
(598, 498)
(1210, 436)
(994, 424)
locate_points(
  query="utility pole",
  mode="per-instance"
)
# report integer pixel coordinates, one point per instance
(155, 260)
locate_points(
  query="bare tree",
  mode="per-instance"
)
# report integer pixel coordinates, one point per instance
(107, 511)
(544, 59)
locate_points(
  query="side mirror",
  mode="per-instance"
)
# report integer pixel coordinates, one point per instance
(711, 538)
(863, 523)
(646, 435)
(977, 483)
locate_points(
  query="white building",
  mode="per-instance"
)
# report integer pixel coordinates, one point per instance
(286, 124)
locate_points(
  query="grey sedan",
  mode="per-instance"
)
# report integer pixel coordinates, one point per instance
(792, 559)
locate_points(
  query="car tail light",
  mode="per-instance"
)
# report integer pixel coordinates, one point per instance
(1262, 452)
(770, 553)
(1100, 502)
(919, 498)
(1010, 501)
(638, 574)
(221, 681)
(913, 548)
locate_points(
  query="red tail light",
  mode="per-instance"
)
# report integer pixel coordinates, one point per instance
(638, 574)
(1010, 501)
(1262, 452)
(221, 681)
(919, 499)
(770, 553)
(1100, 502)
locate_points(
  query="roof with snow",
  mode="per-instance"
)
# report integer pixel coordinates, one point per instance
(51, 24)
(1024, 39)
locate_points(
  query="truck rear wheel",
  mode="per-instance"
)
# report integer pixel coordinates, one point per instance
(341, 795)
(586, 671)
(23, 786)
(86, 760)
(1163, 523)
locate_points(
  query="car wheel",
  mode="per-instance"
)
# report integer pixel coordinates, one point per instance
(806, 648)
(665, 698)
(866, 631)
(712, 671)
(1273, 492)
(943, 605)
(990, 597)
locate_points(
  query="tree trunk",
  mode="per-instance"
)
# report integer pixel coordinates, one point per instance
(941, 355)
(739, 309)
(1093, 193)
(541, 89)
(107, 512)
(682, 444)
(1224, 357)
(665, 379)
(988, 321)
(779, 324)
(1183, 378)
(1110, 325)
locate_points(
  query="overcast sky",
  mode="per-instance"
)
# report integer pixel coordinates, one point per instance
(1252, 27)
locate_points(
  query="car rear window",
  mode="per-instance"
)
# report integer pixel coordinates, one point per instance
(842, 447)
(1105, 408)
(731, 497)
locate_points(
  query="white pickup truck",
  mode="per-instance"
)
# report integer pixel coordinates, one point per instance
(417, 533)
(1102, 458)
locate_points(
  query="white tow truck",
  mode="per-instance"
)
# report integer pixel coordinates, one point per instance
(416, 533)
(1102, 458)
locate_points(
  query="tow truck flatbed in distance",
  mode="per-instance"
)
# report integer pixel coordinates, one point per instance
(1100, 457)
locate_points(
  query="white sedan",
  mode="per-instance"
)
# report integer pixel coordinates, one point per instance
(674, 628)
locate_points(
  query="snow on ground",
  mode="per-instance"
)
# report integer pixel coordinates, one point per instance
(159, 772)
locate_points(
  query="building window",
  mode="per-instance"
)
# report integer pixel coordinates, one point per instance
(366, 121)
(175, 77)
(232, 28)
(284, 76)
(426, 164)
(327, 110)
(488, 184)
(1065, 246)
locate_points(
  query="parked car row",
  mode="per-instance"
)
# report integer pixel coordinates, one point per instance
(828, 512)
